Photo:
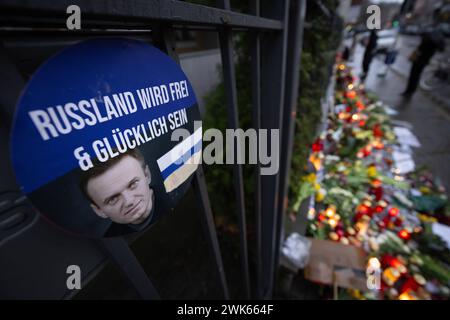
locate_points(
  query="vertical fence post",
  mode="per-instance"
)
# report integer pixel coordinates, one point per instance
(256, 119)
(15, 82)
(209, 227)
(273, 59)
(233, 123)
(294, 49)
(164, 39)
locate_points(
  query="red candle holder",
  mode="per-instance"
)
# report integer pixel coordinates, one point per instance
(393, 212)
(404, 234)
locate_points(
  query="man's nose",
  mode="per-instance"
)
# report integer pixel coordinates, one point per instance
(128, 199)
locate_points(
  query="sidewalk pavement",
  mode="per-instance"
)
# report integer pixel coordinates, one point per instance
(406, 45)
(430, 121)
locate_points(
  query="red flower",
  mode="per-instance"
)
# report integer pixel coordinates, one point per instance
(317, 146)
(360, 105)
(377, 132)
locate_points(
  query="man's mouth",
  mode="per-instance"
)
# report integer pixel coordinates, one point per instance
(131, 211)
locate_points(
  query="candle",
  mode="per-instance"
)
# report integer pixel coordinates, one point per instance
(393, 211)
(332, 222)
(407, 295)
(390, 276)
(377, 144)
(360, 105)
(354, 241)
(374, 246)
(350, 94)
(392, 293)
(383, 203)
(330, 211)
(413, 283)
(363, 209)
(403, 234)
(351, 231)
(374, 263)
(333, 236)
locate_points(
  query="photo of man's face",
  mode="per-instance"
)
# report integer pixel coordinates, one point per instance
(122, 192)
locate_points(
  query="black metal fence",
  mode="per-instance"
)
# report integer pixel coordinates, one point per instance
(276, 30)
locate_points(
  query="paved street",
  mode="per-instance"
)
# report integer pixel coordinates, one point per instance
(406, 45)
(429, 118)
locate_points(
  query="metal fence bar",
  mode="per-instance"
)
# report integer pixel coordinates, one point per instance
(273, 48)
(208, 224)
(122, 256)
(233, 123)
(256, 119)
(164, 39)
(294, 49)
(123, 12)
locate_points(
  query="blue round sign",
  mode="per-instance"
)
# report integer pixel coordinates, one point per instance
(92, 142)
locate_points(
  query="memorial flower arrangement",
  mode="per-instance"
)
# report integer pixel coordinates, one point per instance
(362, 197)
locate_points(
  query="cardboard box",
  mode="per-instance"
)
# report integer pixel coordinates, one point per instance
(334, 263)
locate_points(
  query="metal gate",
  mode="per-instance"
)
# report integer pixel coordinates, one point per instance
(275, 29)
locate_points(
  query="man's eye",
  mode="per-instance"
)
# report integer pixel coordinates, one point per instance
(113, 200)
(134, 184)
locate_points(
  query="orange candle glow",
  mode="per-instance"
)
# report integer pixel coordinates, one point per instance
(393, 212)
(350, 94)
(403, 234)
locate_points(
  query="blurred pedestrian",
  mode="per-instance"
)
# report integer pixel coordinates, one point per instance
(369, 53)
(346, 53)
(353, 47)
(430, 43)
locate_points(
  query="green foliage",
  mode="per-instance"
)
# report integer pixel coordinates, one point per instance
(306, 189)
(432, 253)
(397, 184)
(319, 46)
(321, 40)
(434, 269)
(394, 245)
(433, 245)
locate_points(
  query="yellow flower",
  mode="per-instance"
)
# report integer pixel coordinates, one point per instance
(356, 294)
(424, 190)
(372, 171)
(320, 195)
(425, 218)
(316, 186)
(311, 178)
